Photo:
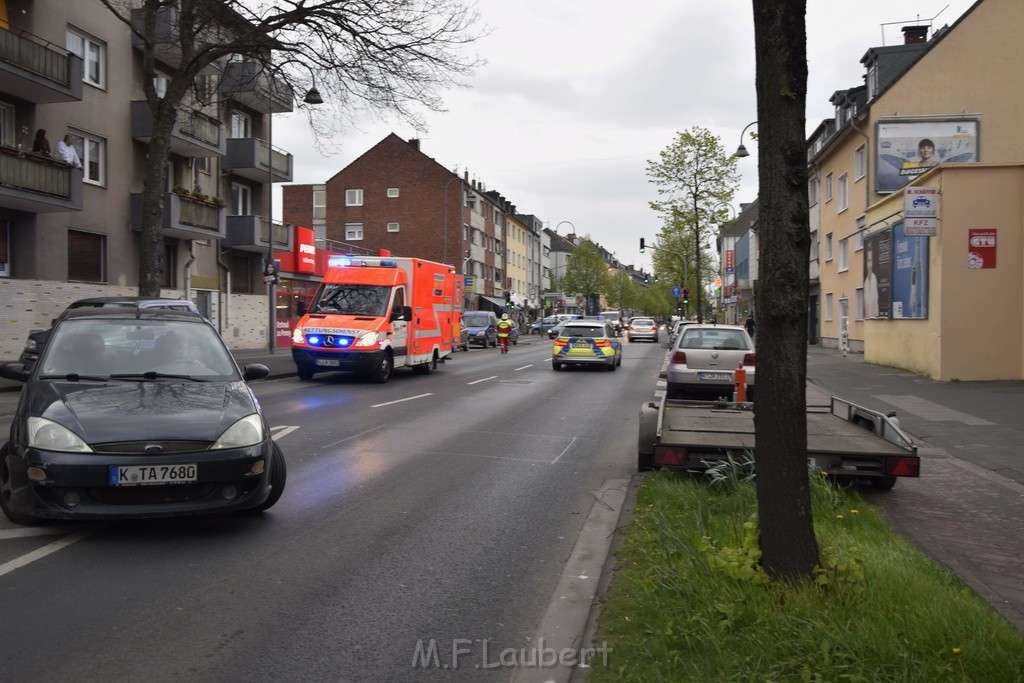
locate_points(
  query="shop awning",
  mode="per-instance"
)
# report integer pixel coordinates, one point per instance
(497, 302)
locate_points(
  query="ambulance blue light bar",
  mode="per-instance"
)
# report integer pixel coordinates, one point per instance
(346, 261)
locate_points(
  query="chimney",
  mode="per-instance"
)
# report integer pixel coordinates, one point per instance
(915, 34)
(415, 142)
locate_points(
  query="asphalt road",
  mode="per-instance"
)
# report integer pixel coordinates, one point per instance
(427, 526)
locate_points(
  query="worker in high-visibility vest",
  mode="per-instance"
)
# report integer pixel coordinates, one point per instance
(504, 329)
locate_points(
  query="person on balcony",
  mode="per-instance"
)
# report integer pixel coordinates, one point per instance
(41, 145)
(66, 150)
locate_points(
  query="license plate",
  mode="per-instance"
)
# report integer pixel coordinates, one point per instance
(714, 376)
(580, 345)
(144, 475)
(328, 362)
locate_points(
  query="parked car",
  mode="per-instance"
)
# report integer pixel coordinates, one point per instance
(481, 327)
(586, 342)
(543, 325)
(704, 359)
(642, 328)
(136, 413)
(36, 340)
(677, 327)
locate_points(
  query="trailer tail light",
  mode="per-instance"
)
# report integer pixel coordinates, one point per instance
(898, 466)
(678, 358)
(748, 358)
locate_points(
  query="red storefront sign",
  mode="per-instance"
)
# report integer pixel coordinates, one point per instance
(305, 250)
(981, 248)
(730, 257)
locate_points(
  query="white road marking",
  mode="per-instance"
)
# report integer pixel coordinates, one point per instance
(564, 451)
(485, 379)
(523, 367)
(401, 400)
(28, 558)
(32, 531)
(282, 431)
(354, 436)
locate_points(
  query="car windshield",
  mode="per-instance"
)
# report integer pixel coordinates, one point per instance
(475, 320)
(582, 331)
(352, 300)
(717, 339)
(137, 348)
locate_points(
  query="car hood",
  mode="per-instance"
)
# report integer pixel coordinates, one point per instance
(474, 329)
(132, 411)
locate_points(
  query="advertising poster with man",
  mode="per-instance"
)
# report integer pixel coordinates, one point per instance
(909, 275)
(878, 274)
(906, 149)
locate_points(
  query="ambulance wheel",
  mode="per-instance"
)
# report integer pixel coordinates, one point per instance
(385, 368)
(305, 372)
(427, 368)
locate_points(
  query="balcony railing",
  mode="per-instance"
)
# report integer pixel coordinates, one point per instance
(194, 133)
(281, 232)
(199, 126)
(38, 71)
(192, 211)
(35, 173)
(185, 217)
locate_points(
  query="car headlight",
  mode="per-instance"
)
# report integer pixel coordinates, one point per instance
(48, 435)
(367, 339)
(297, 336)
(246, 432)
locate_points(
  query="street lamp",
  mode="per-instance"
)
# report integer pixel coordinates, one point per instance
(270, 269)
(741, 151)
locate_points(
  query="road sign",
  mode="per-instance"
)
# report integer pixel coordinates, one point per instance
(676, 291)
(921, 202)
(920, 227)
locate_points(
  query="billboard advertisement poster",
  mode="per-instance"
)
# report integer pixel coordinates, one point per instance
(981, 248)
(909, 275)
(906, 149)
(878, 274)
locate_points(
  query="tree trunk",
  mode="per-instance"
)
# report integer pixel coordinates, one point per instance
(151, 241)
(788, 544)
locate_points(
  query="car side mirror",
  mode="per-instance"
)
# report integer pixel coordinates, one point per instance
(255, 371)
(15, 371)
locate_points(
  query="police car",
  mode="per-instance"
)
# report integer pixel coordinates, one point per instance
(586, 342)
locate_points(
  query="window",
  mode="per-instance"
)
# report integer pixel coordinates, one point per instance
(872, 80)
(353, 197)
(828, 187)
(86, 256)
(353, 231)
(814, 245)
(813, 190)
(91, 150)
(320, 204)
(844, 198)
(828, 247)
(860, 162)
(170, 265)
(241, 200)
(160, 84)
(844, 262)
(240, 125)
(858, 304)
(5, 248)
(858, 238)
(828, 307)
(392, 227)
(392, 192)
(93, 52)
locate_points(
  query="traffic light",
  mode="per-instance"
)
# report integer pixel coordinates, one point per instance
(508, 301)
(686, 295)
(641, 245)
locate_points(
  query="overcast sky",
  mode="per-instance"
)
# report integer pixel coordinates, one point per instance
(577, 96)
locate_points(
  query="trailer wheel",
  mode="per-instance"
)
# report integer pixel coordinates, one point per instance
(883, 483)
(646, 435)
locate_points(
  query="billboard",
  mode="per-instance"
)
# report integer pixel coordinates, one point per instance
(878, 274)
(906, 149)
(909, 274)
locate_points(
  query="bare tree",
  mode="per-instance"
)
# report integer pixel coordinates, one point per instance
(393, 55)
(788, 544)
(697, 179)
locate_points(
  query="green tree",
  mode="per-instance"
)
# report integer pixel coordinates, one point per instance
(788, 544)
(586, 272)
(696, 180)
(380, 55)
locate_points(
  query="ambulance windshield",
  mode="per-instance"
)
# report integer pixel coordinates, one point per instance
(352, 300)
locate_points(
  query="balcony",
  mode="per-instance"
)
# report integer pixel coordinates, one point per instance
(38, 184)
(249, 84)
(184, 217)
(249, 233)
(195, 134)
(253, 158)
(37, 71)
(166, 41)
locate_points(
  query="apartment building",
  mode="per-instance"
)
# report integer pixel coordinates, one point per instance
(68, 233)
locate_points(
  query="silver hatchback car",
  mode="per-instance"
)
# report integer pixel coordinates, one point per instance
(704, 360)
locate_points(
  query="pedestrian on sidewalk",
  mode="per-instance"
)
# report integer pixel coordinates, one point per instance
(750, 325)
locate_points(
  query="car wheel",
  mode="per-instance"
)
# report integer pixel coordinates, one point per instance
(7, 492)
(612, 366)
(278, 477)
(619, 362)
(555, 365)
(305, 372)
(384, 370)
(427, 368)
